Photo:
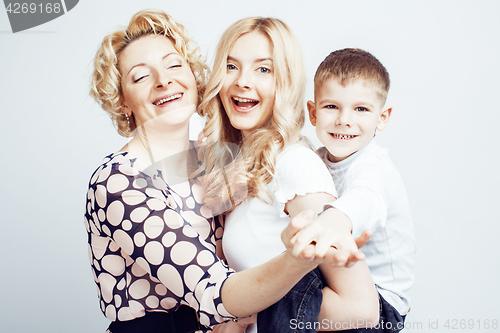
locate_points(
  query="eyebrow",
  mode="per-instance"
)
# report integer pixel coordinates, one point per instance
(143, 64)
(329, 100)
(256, 60)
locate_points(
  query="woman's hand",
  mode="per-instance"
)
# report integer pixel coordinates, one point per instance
(230, 327)
(295, 225)
(326, 239)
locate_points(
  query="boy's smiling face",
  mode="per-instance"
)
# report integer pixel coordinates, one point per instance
(346, 117)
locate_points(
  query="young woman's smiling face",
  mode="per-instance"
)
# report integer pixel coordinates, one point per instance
(249, 87)
(156, 79)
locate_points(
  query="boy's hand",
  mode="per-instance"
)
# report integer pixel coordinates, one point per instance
(309, 251)
(331, 230)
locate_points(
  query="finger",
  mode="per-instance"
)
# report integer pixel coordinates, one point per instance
(308, 253)
(360, 255)
(346, 245)
(354, 257)
(323, 243)
(349, 264)
(306, 236)
(363, 238)
(303, 219)
(335, 257)
(300, 221)
(295, 225)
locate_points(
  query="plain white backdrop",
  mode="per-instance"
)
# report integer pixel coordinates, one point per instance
(443, 58)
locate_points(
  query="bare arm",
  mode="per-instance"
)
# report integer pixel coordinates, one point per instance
(350, 296)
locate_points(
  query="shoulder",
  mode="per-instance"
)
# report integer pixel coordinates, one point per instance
(375, 165)
(299, 170)
(109, 164)
(299, 153)
(115, 175)
(375, 156)
(322, 152)
(299, 161)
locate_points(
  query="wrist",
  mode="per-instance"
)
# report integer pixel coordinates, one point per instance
(298, 264)
(341, 220)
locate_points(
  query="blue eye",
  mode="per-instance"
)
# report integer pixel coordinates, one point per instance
(361, 109)
(231, 67)
(264, 70)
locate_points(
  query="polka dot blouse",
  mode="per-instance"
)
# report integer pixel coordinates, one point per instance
(151, 245)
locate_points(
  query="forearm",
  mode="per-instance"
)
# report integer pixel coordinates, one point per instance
(253, 290)
(337, 219)
(351, 296)
(344, 317)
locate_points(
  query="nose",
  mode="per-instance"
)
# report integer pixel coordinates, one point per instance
(343, 119)
(162, 80)
(243, 80)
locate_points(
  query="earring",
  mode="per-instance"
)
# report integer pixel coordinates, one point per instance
(128, 122)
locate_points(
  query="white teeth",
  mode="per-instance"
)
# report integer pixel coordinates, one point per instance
(343, 137)
(243, 100)
(161, 101)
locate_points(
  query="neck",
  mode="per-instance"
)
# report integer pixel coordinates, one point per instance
(162, 144)
(162, 147)
(161, 138)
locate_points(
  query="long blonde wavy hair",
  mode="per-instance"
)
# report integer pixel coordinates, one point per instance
(105, 85)
(231, 176)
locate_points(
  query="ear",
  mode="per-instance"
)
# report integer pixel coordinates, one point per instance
(311, 107)
(125, 109)
(384, 118)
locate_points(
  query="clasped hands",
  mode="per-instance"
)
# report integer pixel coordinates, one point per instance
(325, 239)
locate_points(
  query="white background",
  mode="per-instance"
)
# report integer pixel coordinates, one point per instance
(443, 58)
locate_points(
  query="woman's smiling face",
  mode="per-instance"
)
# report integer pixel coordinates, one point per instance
(249, 87)
(156, 79)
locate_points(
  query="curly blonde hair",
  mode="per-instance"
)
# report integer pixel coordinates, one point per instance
(261, 147)
(105, 86)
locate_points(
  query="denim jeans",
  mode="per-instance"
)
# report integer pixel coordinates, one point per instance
(298, 311)
(301, 305)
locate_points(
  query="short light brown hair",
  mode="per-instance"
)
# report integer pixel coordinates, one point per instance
(106, 80)
(348, 65)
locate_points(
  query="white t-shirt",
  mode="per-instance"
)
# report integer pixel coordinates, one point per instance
(252, 232)
(373, 196)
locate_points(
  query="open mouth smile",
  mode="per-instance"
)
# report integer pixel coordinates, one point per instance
(167, 99)
(342, 136)
(244, 103)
